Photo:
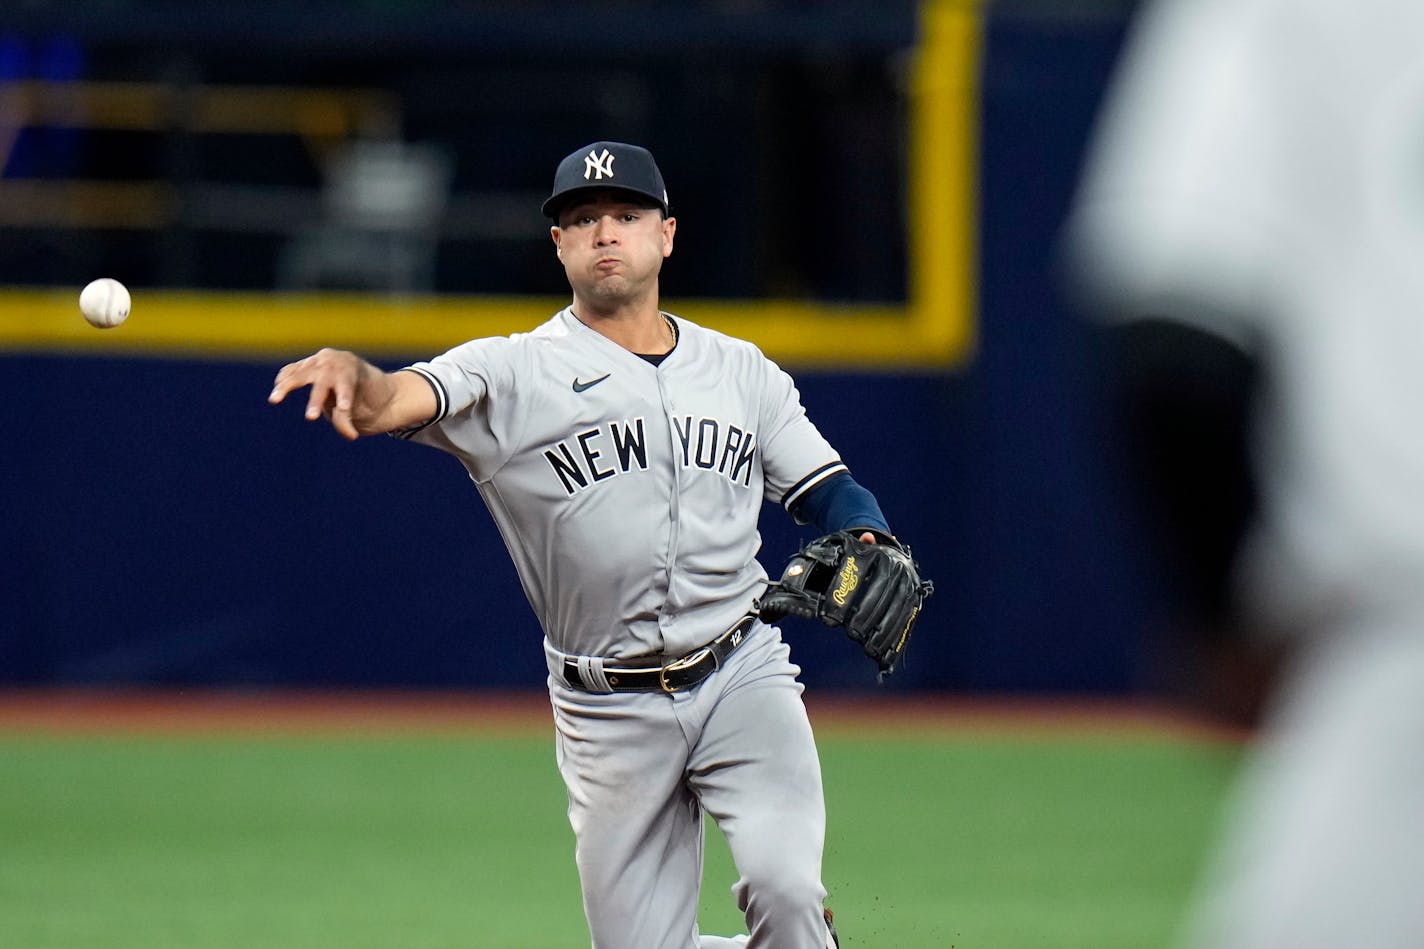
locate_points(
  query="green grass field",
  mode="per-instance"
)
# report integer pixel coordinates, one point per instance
(966, 838)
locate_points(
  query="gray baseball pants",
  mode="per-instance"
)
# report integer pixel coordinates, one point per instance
(640, 769)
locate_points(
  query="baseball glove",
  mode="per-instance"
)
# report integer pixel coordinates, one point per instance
(872, 591)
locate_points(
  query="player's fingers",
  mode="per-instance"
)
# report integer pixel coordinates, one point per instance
(289, 377)
(867, 538)
(332, 376)
(343, 395)
(317, 401)
(281, 385)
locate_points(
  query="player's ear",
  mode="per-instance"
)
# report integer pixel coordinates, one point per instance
(669, 229)
(556, 235)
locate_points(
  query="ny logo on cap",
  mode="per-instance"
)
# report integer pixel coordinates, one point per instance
(595, 167)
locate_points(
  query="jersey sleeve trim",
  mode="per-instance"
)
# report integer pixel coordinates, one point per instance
(810, 481)
(442, 403)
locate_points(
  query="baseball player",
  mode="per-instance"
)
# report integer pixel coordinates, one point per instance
(624, 453)
(1258, 178)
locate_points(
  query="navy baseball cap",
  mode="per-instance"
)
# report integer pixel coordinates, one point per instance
(611, 165)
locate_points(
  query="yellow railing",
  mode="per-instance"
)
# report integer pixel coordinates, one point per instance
(932, 329)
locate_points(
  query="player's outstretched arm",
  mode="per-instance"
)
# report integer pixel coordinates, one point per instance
(358, 398)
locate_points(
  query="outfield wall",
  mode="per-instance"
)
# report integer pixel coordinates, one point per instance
(164, 524)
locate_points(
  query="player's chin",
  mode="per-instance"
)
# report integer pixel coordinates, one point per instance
(612, 288)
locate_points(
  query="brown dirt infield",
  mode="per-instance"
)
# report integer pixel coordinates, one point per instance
(298, 712)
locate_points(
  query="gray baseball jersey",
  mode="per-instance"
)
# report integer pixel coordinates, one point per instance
(627, 493)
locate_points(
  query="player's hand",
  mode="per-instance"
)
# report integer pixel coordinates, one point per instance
(876, 537)
(335, 377)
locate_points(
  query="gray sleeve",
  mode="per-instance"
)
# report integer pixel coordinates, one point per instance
(795, 456)
(476, 404)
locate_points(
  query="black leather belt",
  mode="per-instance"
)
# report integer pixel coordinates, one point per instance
(676, 676)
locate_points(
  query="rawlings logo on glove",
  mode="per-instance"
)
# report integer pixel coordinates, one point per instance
(871, 590)
(850, 579)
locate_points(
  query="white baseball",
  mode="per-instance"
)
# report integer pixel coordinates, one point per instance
(105, 302)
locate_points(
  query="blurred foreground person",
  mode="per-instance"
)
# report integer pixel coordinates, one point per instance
(1258, 183)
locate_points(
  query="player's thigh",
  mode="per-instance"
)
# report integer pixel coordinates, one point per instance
(756, 767)
(621, 755)
(637, 827)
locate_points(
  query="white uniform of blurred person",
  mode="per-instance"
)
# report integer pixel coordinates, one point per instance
(1259, 174)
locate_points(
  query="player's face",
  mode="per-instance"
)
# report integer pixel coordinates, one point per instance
(612, 249)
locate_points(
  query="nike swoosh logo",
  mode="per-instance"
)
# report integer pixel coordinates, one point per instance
(581, 386)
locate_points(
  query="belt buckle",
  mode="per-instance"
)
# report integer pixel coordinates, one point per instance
(677, 665)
